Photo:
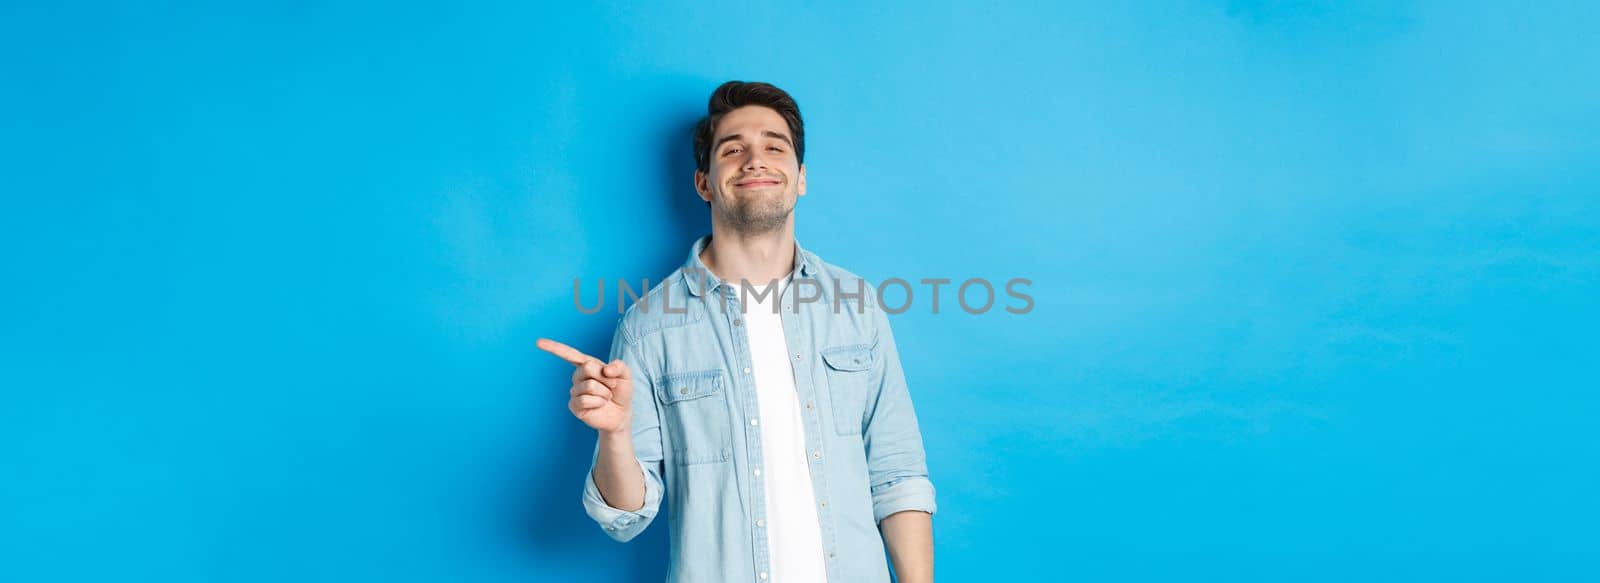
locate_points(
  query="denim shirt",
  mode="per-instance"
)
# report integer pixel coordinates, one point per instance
(694, 403)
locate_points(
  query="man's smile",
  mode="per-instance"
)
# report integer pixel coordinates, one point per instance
(757, 182)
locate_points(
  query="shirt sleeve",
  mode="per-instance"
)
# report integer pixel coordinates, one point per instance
(624, 525)
(896, 464)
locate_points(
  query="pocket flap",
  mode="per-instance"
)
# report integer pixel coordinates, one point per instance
(848, 358)
(688, 386)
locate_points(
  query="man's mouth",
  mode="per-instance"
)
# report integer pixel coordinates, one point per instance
(757, 182)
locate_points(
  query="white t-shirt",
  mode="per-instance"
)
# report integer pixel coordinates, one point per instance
(794, 538)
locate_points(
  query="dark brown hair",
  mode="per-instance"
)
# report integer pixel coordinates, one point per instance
(736, 94)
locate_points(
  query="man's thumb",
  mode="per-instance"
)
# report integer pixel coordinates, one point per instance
(619, 370)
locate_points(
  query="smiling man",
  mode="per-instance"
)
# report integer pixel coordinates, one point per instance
(757, 389)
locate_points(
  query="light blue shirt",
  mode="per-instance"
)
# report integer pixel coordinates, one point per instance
(694, 399)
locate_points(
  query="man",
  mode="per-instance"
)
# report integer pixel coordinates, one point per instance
(757, 388)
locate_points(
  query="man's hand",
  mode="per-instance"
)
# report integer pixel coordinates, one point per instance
(601, 392)
(601, 398)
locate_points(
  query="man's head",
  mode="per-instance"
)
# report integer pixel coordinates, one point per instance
(749, 155)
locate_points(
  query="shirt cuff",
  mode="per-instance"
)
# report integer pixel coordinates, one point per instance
(619, 524)
(915, 493)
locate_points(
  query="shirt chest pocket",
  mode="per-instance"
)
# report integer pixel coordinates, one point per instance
(849, 385)
(694, 409)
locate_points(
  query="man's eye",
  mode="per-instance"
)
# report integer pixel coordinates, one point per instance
(730, 151)
(775, 148)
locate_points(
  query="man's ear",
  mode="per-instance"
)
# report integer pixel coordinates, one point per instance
(702, 186)
(800, 186)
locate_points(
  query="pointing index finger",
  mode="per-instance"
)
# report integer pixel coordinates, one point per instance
(567, 353)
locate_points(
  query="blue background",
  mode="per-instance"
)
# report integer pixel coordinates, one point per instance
(1316, 283)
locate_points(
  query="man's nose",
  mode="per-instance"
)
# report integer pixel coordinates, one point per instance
(756, 161)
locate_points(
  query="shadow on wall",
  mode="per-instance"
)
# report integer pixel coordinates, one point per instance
(552, 517)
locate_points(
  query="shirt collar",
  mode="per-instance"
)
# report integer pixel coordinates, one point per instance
(699, 279)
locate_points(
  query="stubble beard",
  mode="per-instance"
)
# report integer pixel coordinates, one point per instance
(760, 214)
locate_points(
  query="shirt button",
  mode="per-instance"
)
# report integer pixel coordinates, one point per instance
(830, 554)
(752, 421)
(760, 523)
(824, 503)
(763, 575)
(747, 370)
(809, 403)
(738, 322)
(797, 356)
(816, 455)
(756, 471)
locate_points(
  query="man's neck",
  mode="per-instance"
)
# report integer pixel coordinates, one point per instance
(757, 258)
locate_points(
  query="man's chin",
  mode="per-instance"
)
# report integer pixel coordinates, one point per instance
(761, 216)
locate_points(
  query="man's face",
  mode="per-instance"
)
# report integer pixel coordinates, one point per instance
(754, 178)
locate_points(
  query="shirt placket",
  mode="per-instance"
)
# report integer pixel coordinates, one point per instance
(751, 406)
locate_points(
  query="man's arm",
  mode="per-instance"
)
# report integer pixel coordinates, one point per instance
(616, 473)
(622, 491)
(627, 466)
(909, 536)
(902, 494)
